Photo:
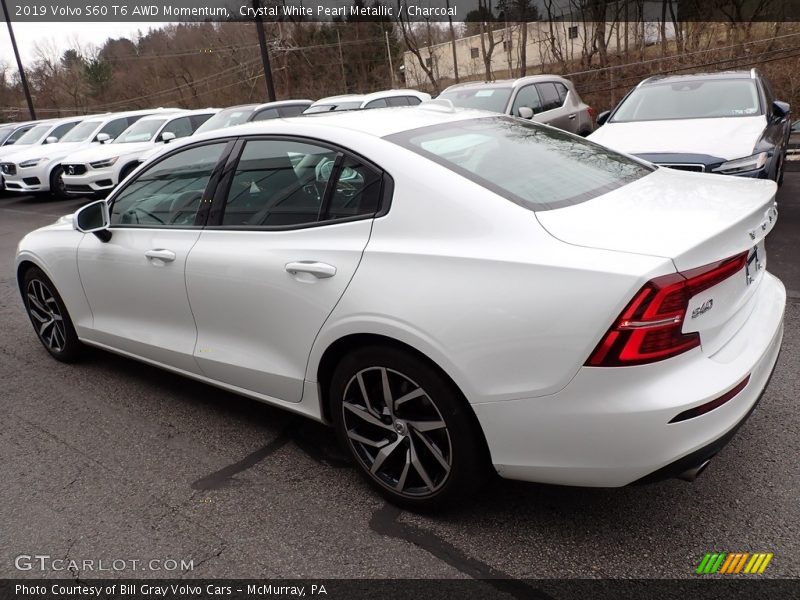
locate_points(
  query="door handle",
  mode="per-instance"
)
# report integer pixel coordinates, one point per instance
(572, 116)
(320, 270)
(160, 254)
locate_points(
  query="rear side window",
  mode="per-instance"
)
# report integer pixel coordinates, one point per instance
(291, 110)
(537, 167)
(413, 100)
(379, 103)
(287, 183)
(266, 114)
(562, 92)
(397, 101)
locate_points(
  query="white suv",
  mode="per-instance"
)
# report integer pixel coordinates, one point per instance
(98, 170)
(38, 169)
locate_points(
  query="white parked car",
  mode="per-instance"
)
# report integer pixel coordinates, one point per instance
(38, 133)
(382, 99)
(245, 113)
(407, 277)
(98, 170)
(39, 169)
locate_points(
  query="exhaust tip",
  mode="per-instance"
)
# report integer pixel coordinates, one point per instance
(693, 473)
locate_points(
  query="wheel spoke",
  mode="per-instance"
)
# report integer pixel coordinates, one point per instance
(409, 396)
(365, 440)
(419, 468)
(35, 302)
(367, 416)
(401, 482)
(426, 425)
(387, 392)
(364, 393)
(383, 454)
(45, 325)
(435, 451)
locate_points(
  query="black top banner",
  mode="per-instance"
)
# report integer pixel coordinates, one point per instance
(610, 11)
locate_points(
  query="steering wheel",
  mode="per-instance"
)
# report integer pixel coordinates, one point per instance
(184, 203)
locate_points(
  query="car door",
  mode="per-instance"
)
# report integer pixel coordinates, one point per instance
(289, 225)
(134, 282)
(553, 110)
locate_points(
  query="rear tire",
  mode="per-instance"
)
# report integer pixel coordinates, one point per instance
(423, 448)
(58, 188)
(49, 317)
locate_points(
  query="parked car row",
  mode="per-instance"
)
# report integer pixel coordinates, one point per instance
(91, 155)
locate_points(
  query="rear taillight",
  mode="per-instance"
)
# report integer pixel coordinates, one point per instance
(592, 112)
(649, 329)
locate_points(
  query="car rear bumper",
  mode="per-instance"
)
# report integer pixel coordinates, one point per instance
(611, 426)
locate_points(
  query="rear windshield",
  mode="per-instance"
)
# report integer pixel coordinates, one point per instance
(698, 99)
(486, 98)
(538, 167)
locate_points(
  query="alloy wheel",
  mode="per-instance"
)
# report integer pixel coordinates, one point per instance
(44, 311)
(397, 432)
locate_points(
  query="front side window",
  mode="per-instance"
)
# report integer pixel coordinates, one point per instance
(549, 95)
(16, 136)
(537, 167)
(227, 118)
(528, 97)
(169, 193)
(690, 99)
(181, 127)
(117, 126)
(379, 103)
(62, 130)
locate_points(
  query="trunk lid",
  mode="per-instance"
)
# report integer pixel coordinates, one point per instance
(694, 220)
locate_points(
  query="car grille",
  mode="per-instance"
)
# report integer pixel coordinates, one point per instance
(8, 168)
(74, 169)
(698, 168)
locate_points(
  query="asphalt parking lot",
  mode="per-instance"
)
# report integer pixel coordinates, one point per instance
(111, 459)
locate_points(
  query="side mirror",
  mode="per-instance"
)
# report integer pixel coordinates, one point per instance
(781, 110)
(93, 218)
(603, 117)
(525, 112)
(167, 136)
(102, 138)
(51, 140)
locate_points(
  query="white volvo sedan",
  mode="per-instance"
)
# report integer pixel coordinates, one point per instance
(452, 291)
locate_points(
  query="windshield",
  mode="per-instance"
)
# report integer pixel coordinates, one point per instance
(34, 135)
(141, 131)
(321, 108)
(484, 98)
(81, 132)
(535, 166)
(228, 118)
(698, 99)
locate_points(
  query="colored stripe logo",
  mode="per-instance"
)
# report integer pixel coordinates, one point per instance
(731, 563)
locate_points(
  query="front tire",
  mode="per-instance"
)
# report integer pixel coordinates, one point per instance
(58, 188)
(49, 316)
(407, 427)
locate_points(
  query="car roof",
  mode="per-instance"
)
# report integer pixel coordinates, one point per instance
(377, 122)
(506, 83)
(339, 99)
(278, 103)
(686, 77)
(179, 112)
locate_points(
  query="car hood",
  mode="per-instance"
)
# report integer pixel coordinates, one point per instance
(104, 151)
(725, 137)
(6, 152)
(47, 150)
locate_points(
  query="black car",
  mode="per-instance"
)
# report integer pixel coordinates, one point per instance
(727, 123)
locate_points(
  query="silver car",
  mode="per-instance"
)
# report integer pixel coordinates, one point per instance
(546, 99)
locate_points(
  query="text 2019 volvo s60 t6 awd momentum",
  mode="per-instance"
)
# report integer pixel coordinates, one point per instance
(454, 292)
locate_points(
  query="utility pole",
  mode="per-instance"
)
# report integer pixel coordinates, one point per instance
(22, 78)
(262, 42)
(453, 42)
(341, 61)
(389, 56)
